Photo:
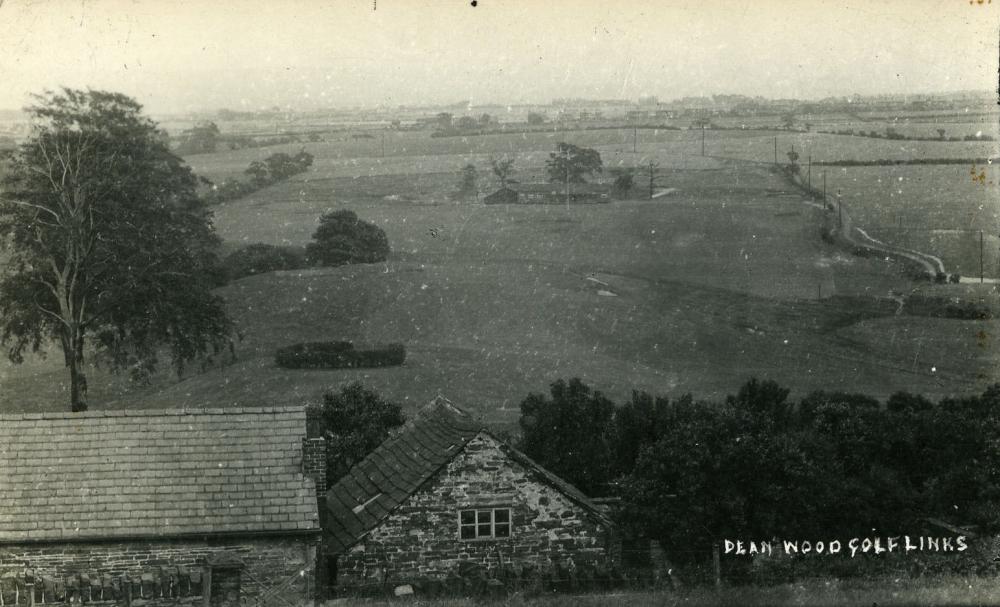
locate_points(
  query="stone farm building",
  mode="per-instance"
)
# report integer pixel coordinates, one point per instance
(210, 506)
(444, 494)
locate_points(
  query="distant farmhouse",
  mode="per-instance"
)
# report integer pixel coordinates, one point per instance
(445, 494)
(216, 506)
(550, 193)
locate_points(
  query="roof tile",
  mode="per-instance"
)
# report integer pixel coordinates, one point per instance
(106, 474)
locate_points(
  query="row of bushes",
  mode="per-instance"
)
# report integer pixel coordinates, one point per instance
(895, 135)
(341, 238)
(943, 307)
(260, 258)
(549, 128)
(894, 162)
(276, 167)
(339, 355)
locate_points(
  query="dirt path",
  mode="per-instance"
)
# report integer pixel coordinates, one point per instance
(855, 236)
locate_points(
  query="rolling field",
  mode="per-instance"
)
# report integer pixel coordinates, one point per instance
(722, 279)
(692, 292)
(937, 209)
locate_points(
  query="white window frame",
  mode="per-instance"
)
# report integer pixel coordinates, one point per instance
(493, 523)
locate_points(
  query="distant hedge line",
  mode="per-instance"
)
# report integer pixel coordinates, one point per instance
(338, 355)
(894, 162)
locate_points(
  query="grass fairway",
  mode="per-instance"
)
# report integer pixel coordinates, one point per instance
(894, 592)
(692, 292)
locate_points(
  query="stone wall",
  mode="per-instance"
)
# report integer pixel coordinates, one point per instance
(420, 539)
(267, 561)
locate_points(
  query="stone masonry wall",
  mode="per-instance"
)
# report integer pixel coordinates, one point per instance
(420, 539)
(268, 561)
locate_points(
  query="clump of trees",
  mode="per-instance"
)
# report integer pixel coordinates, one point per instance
(624, 182)
(342, 238)
(259, 258)
(111, 250)
(467, 183)
(203, 138)
(571, 163)
(760, 465)
(354, 420)
(339, 355)
(503, 168)
(262, 173)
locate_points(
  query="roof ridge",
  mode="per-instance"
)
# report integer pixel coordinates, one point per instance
(104, 413)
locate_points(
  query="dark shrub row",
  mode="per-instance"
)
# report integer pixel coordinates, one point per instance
(914, 161)
(338, 355)
(259, 258)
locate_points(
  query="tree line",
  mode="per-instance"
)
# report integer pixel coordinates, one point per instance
(758, 464)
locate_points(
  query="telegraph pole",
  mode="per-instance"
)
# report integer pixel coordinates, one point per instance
(703, 139)
(982, 276)
(824, 188)
(635, 138)
(652, 169)
(566, 156)
(809, 172)
(840, 210)
(383, 144)
(775, 150)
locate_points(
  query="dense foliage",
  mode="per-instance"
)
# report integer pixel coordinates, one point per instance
(354, 421)
(262, 173)
(759, 465)
(110, 245)
(339, 355)
(342, 238)
(571, 163)
(259, 258)
(569, 433)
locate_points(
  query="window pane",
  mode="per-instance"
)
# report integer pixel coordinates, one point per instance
(484, 516)
(468, 517)
(502, 515)
(484, 531)
(502, 530)
(468, 533)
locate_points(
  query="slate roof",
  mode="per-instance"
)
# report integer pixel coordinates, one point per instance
(145, 473)
(398, 467)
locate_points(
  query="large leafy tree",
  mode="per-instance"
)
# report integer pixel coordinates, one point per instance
(571, 434)
(342, 238)
(108, 242)
(571, 163)
(354, 421)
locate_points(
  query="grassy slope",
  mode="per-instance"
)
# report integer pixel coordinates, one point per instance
(944, 590)
(714, 283)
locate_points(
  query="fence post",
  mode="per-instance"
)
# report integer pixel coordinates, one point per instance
(716, 565)
(29, 585)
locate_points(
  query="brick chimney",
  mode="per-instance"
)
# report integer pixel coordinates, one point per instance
(314, 463)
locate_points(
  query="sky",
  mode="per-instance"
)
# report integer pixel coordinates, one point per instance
(189, 55)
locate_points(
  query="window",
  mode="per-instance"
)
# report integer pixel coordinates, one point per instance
(484, 523)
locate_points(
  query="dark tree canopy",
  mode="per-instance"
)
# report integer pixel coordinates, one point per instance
(572, 163)
(503, 168)
(467, 182)
(342, 238)
(570, 434)
(109, 242)
(354, 421)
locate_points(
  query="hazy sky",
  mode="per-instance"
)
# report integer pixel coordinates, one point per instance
(207, 54)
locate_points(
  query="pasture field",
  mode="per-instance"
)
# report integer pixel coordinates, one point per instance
(692, 292)
(949, 590)
(938, 209)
